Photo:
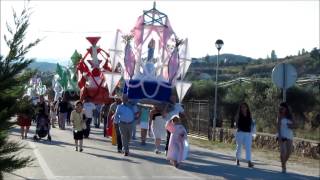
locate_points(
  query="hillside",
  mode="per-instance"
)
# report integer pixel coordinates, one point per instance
(43, 66)
(241, 66)
(224, 58)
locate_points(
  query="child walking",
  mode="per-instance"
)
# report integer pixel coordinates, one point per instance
(177, 149)
(78, 121)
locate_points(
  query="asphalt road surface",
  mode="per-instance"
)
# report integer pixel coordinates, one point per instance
(58, 160)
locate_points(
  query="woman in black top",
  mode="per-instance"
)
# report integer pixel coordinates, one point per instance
(243, 135)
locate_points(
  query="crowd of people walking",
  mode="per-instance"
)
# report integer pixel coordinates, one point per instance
(167, 121)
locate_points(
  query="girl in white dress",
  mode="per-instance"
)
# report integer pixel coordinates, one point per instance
(177, 149)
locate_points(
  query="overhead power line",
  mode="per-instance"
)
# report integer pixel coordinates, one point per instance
(75, 32)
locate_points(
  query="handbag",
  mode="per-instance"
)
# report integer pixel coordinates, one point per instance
(253, 128)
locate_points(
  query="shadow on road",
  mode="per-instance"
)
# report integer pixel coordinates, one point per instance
(158, 160)
(112, 158)
(203, 163)
(221, 156)
(198, 163)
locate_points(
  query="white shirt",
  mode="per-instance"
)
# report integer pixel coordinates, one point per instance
(88, 108)
(285, 131)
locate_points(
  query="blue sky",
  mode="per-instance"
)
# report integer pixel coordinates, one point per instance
(250, 28)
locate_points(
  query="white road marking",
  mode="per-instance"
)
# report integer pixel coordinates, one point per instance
(124, 177)
(44, 166)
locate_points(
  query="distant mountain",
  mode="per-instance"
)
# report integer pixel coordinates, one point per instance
(54, 61)
(43, 66)
(226, 58)
(230, 59)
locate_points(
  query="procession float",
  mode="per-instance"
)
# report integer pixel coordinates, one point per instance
(35, 88)
(155, 60)
(151, 60)
(97, 75)
(64, 81)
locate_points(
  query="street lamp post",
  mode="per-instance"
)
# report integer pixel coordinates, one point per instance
(219, 44)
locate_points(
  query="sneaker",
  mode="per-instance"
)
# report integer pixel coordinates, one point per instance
(126, 154)
(120, 151)
(76, 149)
(250, 164)
(157, 151)
(81, 150)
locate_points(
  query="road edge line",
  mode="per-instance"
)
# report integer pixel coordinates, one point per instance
(44, 166)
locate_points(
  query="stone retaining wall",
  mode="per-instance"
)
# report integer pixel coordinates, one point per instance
(302, 147)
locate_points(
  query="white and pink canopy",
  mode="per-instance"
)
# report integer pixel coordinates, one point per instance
(152, 52)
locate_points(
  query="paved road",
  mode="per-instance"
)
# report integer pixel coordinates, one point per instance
(58, 160)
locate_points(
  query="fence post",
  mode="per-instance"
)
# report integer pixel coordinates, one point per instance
(221, 135)
(213, 134)
(198, 117)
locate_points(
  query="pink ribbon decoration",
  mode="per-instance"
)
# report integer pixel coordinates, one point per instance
(167, 32)
(173, 65)
(137, 31)
(129, 60)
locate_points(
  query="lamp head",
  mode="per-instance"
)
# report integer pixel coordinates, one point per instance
(219, 44)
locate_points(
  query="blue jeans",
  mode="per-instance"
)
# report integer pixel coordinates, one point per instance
(96, 122)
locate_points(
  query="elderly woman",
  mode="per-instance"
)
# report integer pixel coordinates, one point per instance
(77, 118)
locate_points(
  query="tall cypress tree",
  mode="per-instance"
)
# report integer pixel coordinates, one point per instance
(13, 77)
(273, 55)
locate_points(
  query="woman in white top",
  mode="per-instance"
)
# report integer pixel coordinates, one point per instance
(157, 124)
(285, 133)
